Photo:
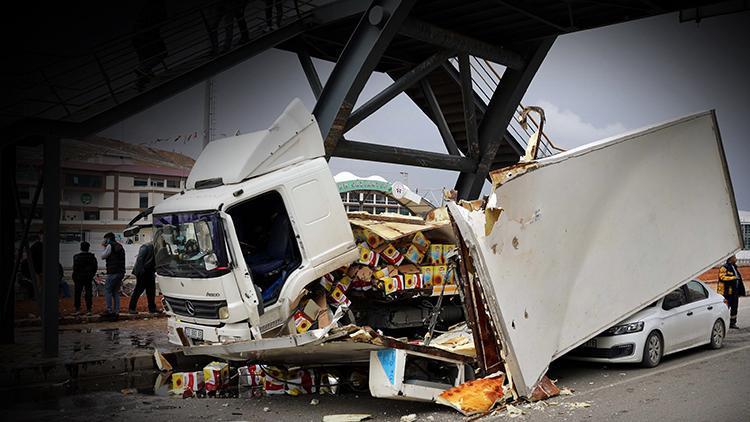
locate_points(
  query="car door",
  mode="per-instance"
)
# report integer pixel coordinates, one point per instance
(675, 328)
(699, 311)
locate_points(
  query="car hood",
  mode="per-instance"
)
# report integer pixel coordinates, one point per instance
(641, 315)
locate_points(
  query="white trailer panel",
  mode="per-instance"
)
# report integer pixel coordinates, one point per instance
(589, 236)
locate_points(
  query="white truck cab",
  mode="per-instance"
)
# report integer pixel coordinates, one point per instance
(260, 219)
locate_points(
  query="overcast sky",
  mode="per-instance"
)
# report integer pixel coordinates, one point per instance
(593, 84)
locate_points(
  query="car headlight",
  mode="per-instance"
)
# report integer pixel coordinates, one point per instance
(625, 329)
(223, 312)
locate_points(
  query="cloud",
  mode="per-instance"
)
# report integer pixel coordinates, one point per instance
(567, 129)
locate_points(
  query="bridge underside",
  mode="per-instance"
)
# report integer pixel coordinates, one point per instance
(465, 64)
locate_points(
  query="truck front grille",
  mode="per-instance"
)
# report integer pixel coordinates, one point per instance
(208, 309)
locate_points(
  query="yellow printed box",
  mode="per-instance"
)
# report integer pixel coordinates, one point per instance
(420, 241)
(439, 273)
(414, 255)
(427, 275)
(436, 256)
(215, 375)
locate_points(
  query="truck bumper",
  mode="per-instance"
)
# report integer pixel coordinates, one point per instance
(210, 335)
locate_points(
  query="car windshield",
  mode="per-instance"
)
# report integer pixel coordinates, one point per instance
(190, 245)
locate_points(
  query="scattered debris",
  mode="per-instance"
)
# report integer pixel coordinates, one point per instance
(347, 417)
(544, 389)
(565, 391)
(266, 409)
(314, 402)
(127, 391)
(475, 397)
(409, 418)
(161, 361)
(513, 411)
(577, 405)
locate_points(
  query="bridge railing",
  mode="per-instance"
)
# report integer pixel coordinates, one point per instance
(73, 88)
(485, 79)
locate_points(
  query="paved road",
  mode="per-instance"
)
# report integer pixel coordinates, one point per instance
(698, 385)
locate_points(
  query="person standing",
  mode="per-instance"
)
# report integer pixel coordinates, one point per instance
(114, 255)
(84, 270)
(731, 287)
(144, 271)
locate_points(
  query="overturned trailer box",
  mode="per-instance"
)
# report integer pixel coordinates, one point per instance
(569, 245)
(258, 260)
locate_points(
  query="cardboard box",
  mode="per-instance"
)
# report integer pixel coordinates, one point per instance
(391, 255)
(412, 281)
(436, 256)
(393, 284)
(251, 376)
(301, 322)
(439, 273)
(275, 380)
(327, 281)
(420, 241)
(339, 297)
(409, 269)
(373, 240)
(301, 381)
(414, 255)
(183, 381)
(216, 376)
(367, 256)
(427, 271)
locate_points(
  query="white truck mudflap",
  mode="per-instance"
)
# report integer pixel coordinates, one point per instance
(591, 235)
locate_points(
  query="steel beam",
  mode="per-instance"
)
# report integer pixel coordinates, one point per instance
(439, 117)
(7, 240)
(467, 96)
(374, 32)
(406, 156)
(397, 87)
(431, 34)
(50, 264)
(500, 110)
(309, 68)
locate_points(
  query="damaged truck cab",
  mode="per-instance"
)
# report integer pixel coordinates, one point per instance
(260, 219)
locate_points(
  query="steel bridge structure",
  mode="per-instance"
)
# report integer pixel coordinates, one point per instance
(465, 64)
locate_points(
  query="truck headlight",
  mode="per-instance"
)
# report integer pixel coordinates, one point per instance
(223, 312)
(625, 329)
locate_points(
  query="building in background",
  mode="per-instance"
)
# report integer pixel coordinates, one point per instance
(375, 195)
(743, 256)
(105, 183)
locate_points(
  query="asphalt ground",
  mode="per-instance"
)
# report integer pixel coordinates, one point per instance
(696, 385)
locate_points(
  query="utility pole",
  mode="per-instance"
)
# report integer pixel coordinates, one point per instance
(208, 114)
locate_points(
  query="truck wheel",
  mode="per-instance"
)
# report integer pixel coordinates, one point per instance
(717, 335)
(653, 350)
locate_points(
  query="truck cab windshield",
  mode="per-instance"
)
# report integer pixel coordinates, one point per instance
(190, 245)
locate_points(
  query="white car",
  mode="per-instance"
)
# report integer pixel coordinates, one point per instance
(690, 316)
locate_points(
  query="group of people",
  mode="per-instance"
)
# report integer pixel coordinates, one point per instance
(85, 266)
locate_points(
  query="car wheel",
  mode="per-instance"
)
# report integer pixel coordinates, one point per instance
(653, 350)
(717, 335)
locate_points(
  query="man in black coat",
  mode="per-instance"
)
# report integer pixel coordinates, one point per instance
(84, 270)
(145, 278)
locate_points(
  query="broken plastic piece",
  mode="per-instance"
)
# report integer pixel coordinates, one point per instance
(475, 397)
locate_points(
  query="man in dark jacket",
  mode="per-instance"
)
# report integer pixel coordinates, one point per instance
(144, 271)
(731, 286)
(114, 255)
(84, 270)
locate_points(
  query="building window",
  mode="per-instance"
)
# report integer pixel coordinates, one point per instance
(143, 200)
(343, 197)
(172, 183)
(83, 180)
(379, 199)
(379, 210)
(91, 215)
(158, 183)
(140, 182)
(746, 235)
